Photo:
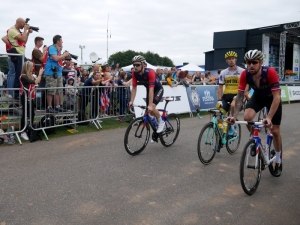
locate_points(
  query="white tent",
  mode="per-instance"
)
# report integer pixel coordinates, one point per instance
(192, 67)
(128, 68)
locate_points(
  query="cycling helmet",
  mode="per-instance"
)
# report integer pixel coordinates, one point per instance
(138, 58)
(254, 55)
(231, 54)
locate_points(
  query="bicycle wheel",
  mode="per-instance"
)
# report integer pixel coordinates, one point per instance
(207, 143)
(171, 130)
(233, 140)
(249, 175)
(136, 136)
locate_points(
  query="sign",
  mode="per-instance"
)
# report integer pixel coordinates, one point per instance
(296, 54)
(207, 96)
(266, 48)
(179, 104)
(294, 93)
(284, 94)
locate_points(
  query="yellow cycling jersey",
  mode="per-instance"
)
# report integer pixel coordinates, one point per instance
(230, 79)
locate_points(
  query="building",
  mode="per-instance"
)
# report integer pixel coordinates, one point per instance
(279, 43)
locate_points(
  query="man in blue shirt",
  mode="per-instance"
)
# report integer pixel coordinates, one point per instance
(53, 74)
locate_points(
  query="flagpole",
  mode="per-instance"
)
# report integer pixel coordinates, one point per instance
(107, 39)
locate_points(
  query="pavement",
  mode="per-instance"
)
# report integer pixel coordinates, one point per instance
(90, 179)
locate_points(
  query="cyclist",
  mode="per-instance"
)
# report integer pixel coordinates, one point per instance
(264, 81)
(230, 78)
(150, 80)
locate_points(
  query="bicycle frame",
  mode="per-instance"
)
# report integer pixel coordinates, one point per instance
(264, 151)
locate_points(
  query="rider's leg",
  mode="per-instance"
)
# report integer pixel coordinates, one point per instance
(249, 116)
(277, 141)
(232, 106)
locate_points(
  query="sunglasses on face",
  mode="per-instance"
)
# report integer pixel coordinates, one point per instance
(252, 62)
(137, 65)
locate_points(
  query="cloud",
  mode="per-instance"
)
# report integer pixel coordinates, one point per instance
(180, 30)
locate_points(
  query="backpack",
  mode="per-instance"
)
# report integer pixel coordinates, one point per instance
(47, 121)
(34, 135)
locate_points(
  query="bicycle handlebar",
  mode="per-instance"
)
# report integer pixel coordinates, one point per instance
(250, 122)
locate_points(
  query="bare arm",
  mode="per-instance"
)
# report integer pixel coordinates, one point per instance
(220, 92)
(5, 40)
(238, 104)
(127, 83)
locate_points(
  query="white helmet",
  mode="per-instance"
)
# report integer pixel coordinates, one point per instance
(138, 58)
(254, 55)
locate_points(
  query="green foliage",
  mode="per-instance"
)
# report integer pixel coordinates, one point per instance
(4, 65)
(124, 58)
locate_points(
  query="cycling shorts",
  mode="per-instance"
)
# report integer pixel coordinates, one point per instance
(257, 104)
(225, 99)
(157, 95)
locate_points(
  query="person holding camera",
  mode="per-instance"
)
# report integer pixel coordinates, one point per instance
(17, 42)
(53, 75)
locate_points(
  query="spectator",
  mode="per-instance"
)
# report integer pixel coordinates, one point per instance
(27, 88)
(70, 93)
(17, 40)
(6, 140)
(207, 79)
(197, 78)
(182, 78)
(95, 68)
(122, 92)
(170, 81)
(159, 74)
(3, 78)
(83, 76)
(53, 74)
(68, 70)
(106, 94)
(86, 92)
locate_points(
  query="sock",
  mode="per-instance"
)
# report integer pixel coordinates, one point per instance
(58, 106)
(6, 141)
(278, 159)
(49, 107)
(159, 120)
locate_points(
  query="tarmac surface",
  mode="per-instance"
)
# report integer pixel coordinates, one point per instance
(90, 179)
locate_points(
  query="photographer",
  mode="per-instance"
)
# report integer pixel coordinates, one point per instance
(53, 74)
(17, 41)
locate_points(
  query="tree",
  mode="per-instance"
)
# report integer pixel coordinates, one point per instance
(4, 65)
(124, 58)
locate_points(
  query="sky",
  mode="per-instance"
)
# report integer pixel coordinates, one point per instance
(180, 30)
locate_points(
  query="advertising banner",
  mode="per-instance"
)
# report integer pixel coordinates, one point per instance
(179, 104)
(294, 93)
(202, 97)
(296, 54)
(284, 94)
(266, 48)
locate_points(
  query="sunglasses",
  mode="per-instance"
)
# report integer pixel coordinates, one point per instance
(137, 65)
(252, 62)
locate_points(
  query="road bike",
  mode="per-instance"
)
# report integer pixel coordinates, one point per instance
(255, 158)
(212, 138)
(137, 134)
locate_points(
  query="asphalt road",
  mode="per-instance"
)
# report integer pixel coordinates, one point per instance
(90, 179)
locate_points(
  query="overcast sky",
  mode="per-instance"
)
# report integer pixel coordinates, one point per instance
(180, 30)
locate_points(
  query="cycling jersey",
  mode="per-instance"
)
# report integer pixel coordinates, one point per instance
(149, 79)
(269, 82)
(230, 79)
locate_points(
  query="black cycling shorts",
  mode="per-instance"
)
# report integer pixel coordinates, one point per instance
(157, 95)
(225, 99)
(257, 103)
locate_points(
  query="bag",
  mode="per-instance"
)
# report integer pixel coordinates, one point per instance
(13, 50)
(34, 135)
(48, 121)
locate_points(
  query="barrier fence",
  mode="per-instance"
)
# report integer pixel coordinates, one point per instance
(90, 105)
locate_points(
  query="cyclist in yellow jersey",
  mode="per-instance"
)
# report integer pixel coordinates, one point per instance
(229, 77)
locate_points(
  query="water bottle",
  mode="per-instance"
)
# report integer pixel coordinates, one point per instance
(224, 127)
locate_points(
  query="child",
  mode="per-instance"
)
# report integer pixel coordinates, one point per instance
(6, 140)
(71, 93)
(170, 81)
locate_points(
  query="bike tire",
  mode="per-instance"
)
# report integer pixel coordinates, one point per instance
(255, 173)
(231, 149)
(136, 134)
(206, 155)
(171, 130)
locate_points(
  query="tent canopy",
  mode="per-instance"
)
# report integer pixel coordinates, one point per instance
(192, 67)
(128, 68)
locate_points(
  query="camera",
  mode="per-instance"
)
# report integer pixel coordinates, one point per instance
(31, 27)
(54, 69)
(73, 56)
